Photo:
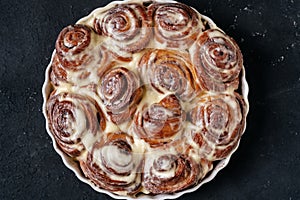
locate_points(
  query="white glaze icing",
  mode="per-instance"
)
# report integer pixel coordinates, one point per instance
(140, 147)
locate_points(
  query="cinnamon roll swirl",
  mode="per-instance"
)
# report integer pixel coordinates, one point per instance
(127, 25)
(170, 169)
(113, 165)
(71, 44)
(219, 122)
(169, 71)
(144, 98)
(160, 123)
(175, 24)
(218, 61)
(120, 92)
(71, 118)
(58, 73)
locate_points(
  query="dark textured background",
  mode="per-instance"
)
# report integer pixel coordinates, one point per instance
(267, 164)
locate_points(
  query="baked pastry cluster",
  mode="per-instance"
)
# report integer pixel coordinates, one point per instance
(145, 97)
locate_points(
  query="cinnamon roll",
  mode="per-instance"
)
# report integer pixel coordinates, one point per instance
(127, 25)
(120, 91)
(219, 122)
(58, 73)
(71, 44)
(159, 123)
(113, 165)
(170, 169)
(73, 117)
(218, 61)
(143, 98)
(175, 24)
(76, 57)
(169, 71)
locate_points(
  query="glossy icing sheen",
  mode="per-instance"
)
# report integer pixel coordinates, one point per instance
(145, 97)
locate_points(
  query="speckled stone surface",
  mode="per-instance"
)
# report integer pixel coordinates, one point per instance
(266, 165)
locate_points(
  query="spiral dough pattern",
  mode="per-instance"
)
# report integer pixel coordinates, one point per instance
(168, 170)
(169, 71)
(176, 25)
(145, 98)
(127, 25)
(219, 120)
(120, 91)
(112, 164)
(218, 61)
(71, 117)
(160, 122)
(71, 43)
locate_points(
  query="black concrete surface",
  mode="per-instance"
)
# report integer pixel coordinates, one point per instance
(267, 164)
